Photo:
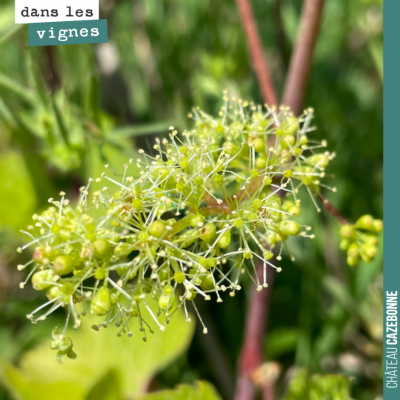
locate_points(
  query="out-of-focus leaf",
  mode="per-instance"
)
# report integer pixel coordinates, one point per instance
(201, 391)
(10, 33)
(133, 360)
(139, 130)
(18, 197)
(281, 341)
(107, 388)
(24, 388)
(6, 115)
(23, 92)
(318, 387)
(60, 121)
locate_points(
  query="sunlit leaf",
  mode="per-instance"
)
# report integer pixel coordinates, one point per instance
(18, 197)
(201, 391)
(133, 360)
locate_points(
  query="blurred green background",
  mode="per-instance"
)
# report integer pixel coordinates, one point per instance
(67, 110)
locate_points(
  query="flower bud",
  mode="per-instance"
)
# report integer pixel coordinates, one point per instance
(365, 222)
(183, 162)
(137, 204)
(165, 302)
(346, 231)
(377, 225)
(101, 248)
(261, 162)
(290, 228)
(157, 229)
(63, 265)
(259, 145)
(208, 233)
(197, 221)
(344, 244)
(318, 160)
(101, 303)
(53, 292)
(40, 254)
(180, 186)
(179, 277)
(225, 240)
(352, 251)
(43, 279)
(207, 283)
(353, 261)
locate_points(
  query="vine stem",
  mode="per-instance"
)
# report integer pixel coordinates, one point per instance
(258, 307)
(300, 64)
(259, 62)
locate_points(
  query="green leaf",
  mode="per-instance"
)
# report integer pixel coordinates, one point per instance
(281, 341)
(132, 360)
(318, 387)
(201, 391)
(107, 388)
(139, 130)
(18, 197)
(10, 33)
(23, 92)
(24, 388)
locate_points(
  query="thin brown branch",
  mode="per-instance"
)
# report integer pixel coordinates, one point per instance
(301, 60)
(251, 356)
(332, 210)
(254, 43)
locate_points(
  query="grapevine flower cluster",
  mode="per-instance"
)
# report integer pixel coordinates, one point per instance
(360, 240)
(206, 208)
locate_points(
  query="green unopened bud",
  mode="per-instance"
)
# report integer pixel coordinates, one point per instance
(143, 237)
(261, 162)
(318, 160)
(247, 254)
(207, 283)
(225, 240)
(157, 229)
(208, 233)
(180, 186)
(267, 254)
(257, 203)
(294, 210)
(218, 178)
(63, 265)
(346, 231)
(239, 223)
(288, 141)
(290, 228)
(39, 254)
(352, 251)
(291, 126)
(43, 279)
(353, 261)
(369, 251)
(259, 145)
(183, 162)
(165, 302)
(137, 204)
(288, 173)
(198, 180)
(365, 222)
(211, 262)
(377, 225)
(179, 277)
(100, 273)
(54, 292)
(344, 244)
(101, 248)
(101, 303)
(197, 221)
